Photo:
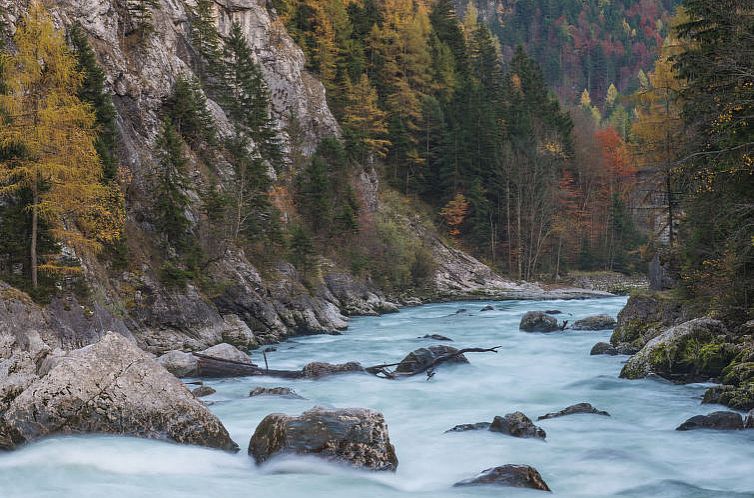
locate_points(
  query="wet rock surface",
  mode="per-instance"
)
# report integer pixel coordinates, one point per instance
(597, 322)
(282, 392)
(353, 436)
(517, 424)
(538, 321)
(584, 408)
(317, 369)
(422, 357)
(516, 476)
(203, 391)
(479, 426)
(722, 420)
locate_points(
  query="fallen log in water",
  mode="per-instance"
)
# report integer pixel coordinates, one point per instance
(383, 372)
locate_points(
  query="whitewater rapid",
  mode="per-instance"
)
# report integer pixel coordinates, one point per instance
(635, 452)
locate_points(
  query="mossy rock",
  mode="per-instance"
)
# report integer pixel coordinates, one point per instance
(690, 351)
(738, 373)
(739, 398)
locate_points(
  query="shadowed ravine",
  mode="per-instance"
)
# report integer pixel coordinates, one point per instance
(635, 452)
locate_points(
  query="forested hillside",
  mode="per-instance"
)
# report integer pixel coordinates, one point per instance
(427, 94)
(582, 44)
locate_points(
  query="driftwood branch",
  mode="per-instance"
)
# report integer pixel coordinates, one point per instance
(383, 372)
(211, 367)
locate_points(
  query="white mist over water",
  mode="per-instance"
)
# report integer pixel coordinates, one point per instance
(635, 453)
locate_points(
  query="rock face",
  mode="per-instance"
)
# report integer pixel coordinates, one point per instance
(644, 317)
(598, 322)
(515, 476)
(672, 354)
(354, 436)
(574, 409)
(537, 321)
(517, 424)
(318, 369)
(282, 392)
(423, 357)
(111, 387)
(728, 421)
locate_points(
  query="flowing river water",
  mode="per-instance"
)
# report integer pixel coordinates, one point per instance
(635, 452)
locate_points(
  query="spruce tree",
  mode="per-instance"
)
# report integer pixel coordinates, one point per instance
(187, 108)
(171, 201)
(93, 91)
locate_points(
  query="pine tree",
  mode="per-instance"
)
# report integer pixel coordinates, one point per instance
(187, 108)
(93, 91)
(59, 164)
(171, 201)
(247, 98)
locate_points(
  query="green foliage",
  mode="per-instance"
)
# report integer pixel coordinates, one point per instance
(187, 108)
(301, 249)
(93, 91)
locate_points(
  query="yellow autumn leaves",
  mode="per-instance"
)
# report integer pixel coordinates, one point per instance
(52, 135)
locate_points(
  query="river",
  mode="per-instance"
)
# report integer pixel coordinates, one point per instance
(635, 452)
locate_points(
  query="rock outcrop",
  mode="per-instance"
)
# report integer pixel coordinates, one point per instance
(644, 317)
(517, 424)
(423, 357)
(573, 410)
(515, 476)
(354, 436)
(728, 421)
(111, 387)
(538, 321)
(609, 349)
(598, 322)
(676, 353)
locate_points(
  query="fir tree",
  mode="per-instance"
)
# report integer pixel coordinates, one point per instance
(93, 91)
(171, 201)
(187, 108)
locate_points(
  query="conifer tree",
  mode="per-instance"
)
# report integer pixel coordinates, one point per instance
(247, 98)
(59, 164)
(93, 91)
(187, 108)
(171, 201)
(365, 119)
(206, 40)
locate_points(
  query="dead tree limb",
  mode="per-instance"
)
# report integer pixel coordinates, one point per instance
(208, 366)
(383, 372)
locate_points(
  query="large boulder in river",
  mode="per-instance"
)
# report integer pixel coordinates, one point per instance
(517, 424)
(597, 322)
(538, 321)
(515, 476)
(644, 317)
(728, 421)
(423, 357)
(180, 363)
(282, 392)
(110, 387)
(692, 350)
(355, 436)
(225, 351)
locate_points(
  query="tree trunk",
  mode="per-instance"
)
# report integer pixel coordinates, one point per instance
(34, 235)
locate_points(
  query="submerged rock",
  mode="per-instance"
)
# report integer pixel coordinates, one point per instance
(537, 321)
(317, 369)
(202, 391)
(283, 392)
(462, 310)
(436, 337)
(517, 424)
(354, 436)
(553, 312)
(673, 354)
(423, 357)
(573, 410)
(515, 476)
(487, 308)
(479, 426)
(726, 421)
(111, 387)
(597, 322)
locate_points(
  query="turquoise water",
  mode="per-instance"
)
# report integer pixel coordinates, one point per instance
(636, 452)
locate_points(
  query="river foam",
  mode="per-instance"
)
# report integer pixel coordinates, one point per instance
(635, 452)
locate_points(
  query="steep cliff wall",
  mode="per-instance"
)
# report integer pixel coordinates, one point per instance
(244, 307)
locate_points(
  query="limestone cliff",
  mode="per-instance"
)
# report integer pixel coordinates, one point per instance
(248, 306)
